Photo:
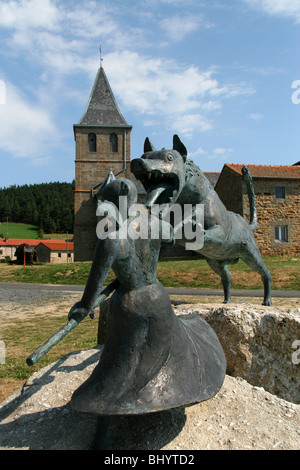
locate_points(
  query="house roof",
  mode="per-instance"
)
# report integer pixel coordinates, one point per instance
(57, 244)
(18, 241)
(268, 171)
(51, 244)
(102, 109)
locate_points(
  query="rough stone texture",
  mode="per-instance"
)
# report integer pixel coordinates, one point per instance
(257, 342)
(91, 168)
(274, 212)
(240, 417)
(270, 210)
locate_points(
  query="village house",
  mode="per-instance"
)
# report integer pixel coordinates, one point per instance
(277, 194)
(8, 246)
(47, 251)
(55, 251)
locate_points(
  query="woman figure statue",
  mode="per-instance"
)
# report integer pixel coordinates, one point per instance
(152, 359)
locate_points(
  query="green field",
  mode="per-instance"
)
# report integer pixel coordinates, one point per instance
(28, 231)
(190, 273)
(18, 230)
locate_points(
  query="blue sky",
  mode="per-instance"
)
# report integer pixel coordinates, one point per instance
(217, 72)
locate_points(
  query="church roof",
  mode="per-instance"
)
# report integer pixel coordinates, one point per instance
(102, 109)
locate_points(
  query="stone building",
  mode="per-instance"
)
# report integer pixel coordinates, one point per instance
(9, 246)
(102, 140)
(55, 251)
(43, 251)
(277, 193)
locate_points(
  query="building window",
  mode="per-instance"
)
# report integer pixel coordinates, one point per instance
(113, 142)
(281, 233)
(59, 255)
(279, 192)
(92, 142)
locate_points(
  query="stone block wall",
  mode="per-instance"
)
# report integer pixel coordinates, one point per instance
(8, 251)
(273, 212)
(91, 168)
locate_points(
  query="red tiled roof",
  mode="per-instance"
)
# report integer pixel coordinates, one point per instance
(51, 244)
(57, 244)
(268, 171)
(18, 241)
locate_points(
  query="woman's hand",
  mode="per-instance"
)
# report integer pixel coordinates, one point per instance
(78, 312)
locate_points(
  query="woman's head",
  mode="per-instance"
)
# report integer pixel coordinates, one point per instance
(120, 187)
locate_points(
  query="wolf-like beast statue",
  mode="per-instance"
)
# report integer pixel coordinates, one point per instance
(169, 177)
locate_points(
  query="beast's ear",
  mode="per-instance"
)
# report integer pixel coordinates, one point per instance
(148, 146)
(178, 145)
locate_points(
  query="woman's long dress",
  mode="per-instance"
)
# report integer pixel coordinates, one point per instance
(152, 359)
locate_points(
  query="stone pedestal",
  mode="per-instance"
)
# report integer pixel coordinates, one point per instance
(257, 343)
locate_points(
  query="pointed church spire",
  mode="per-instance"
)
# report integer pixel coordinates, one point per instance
(102, 109)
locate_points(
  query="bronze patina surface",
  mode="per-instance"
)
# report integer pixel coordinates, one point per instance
(152, 359)
(169, 177)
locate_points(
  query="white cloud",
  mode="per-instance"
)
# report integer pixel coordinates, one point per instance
(56, 37)
(179, 98)
(199, 151)
(221, 151)
(26, 130)
(188, 124)
(211, 105)
(177, 27)
(25, 14)
(2, 92)
(256, 116)
(218, 153)
(285, 8)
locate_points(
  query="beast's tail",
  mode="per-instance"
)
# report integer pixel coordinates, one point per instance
(253, 214)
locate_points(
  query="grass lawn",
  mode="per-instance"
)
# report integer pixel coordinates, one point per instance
(28, 231)
(195, 273)
(19, 230)
(24, 335)
(192, 273)
(23, 338)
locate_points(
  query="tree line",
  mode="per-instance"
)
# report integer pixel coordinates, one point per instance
(50, 206)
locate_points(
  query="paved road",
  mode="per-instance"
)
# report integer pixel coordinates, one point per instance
(29, 289)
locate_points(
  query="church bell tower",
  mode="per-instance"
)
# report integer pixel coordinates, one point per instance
(102, 141)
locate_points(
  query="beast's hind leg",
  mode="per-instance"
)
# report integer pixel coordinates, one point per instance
(254, 260)
(222, 270)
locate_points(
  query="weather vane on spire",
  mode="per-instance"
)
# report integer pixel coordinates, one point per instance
(101, 58)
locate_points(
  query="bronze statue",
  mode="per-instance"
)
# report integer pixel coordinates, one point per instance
(169, 177)
(152, 360)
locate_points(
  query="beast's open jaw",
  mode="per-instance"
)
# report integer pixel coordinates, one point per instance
(160, 188)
